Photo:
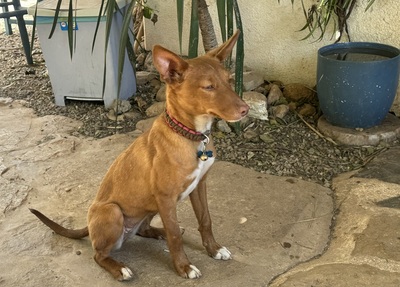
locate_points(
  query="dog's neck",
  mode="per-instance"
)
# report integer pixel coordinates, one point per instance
(187, 132)
(203, 123)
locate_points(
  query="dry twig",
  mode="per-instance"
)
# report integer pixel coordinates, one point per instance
(314, 130)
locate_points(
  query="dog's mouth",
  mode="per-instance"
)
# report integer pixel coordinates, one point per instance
(230, 120)
(235, 121)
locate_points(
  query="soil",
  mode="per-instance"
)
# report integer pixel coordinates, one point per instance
(290, 149)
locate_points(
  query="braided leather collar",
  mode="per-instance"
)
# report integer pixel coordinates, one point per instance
(183, 130)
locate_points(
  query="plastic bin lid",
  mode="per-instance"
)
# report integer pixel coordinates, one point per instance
(84, 8)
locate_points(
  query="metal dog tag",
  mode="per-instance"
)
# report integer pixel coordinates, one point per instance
(205, 154)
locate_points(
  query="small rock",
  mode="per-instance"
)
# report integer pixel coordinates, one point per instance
(298, 92)
(30, 72)
(135, 133)
(155, 109)
(250, 154)
(131, 115)
(273, 122)
(146, 124)
(161, 96)
(274, 94)
(148, 63)
(141, 102)
(112, 116)
(261, 89)
(223, 126)
(140, 59)
(307, 110)
(280, 111)
(250, 135)
(292, 106)
(5, 101)
(266, 138)
(143, 77)
(267, 87)
(219, 135)
(279, 83)
(258, 105)
(123, 106)
(281, 101)
(252, 80)
(156, 84)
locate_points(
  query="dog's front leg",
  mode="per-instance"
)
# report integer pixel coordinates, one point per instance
(167, 210)
(199, 202)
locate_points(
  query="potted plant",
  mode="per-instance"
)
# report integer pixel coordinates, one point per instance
(356, 81)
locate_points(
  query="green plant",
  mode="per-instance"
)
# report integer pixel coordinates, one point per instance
(319, 16)
(200, 19)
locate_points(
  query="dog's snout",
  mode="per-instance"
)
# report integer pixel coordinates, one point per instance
(244, 109)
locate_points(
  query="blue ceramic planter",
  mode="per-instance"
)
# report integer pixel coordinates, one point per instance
(357, 82)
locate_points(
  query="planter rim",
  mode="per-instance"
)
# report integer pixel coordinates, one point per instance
(372, 46)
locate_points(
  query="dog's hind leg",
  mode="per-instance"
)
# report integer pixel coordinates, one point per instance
(146, 230)
(106, 230)
(198, 199)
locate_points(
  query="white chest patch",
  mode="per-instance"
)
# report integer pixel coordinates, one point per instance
(197, 174)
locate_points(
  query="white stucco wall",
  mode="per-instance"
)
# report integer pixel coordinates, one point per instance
(272, 40)
(381, 23)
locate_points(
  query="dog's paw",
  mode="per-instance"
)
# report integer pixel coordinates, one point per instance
(194, 273)
(223, 254)
(126, 274)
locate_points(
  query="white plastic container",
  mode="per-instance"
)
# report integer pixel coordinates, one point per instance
(81, 78)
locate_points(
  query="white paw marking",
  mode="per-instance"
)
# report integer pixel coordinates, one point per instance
(223, 254)
(127, 273)
(194, 273)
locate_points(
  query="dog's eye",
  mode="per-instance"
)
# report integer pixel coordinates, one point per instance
(209, 88)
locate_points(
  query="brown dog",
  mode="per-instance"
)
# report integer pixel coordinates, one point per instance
(164, 165)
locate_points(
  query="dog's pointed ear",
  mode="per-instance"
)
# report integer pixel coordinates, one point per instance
(223, 51)
(168, 64)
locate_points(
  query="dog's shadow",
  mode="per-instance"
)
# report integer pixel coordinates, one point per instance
(144, 254)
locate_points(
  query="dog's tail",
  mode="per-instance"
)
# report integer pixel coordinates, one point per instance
(70, 233)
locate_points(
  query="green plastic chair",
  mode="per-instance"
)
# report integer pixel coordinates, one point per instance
(18, 13)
